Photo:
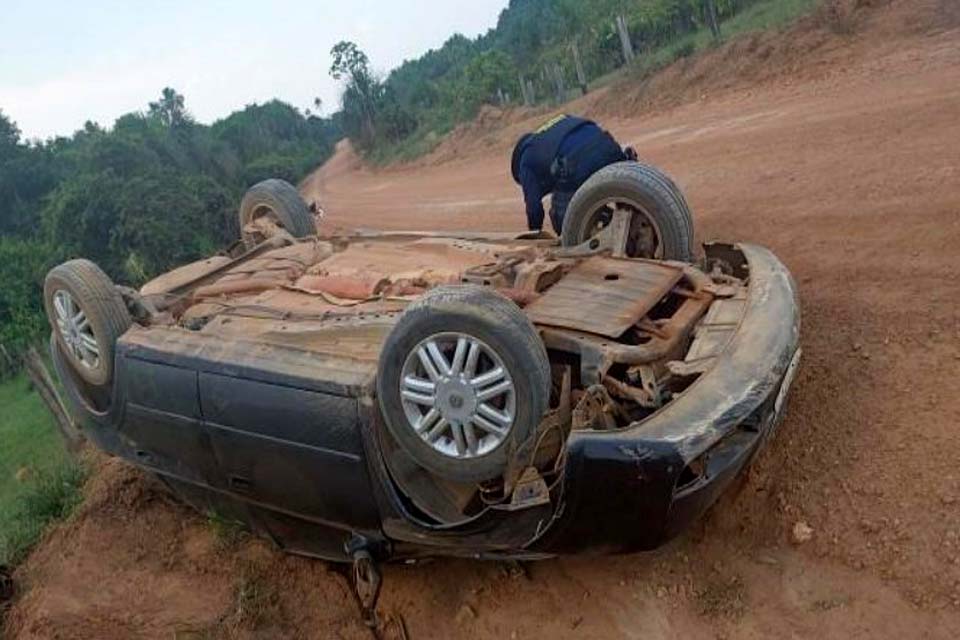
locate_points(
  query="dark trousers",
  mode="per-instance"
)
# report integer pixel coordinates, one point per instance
(575, 166)
(559, 202)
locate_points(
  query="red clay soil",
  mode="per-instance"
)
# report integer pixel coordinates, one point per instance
(848, 167)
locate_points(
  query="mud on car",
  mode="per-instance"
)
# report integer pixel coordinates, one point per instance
(396, 395)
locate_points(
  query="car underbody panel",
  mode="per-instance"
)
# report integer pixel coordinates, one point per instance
(605, 296)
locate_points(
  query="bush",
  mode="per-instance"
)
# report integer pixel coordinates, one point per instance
(287, 167)
(23, 265)
(51, 496)
(155, 191)
(685, 50)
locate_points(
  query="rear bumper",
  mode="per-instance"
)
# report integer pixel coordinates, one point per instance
(635, 488)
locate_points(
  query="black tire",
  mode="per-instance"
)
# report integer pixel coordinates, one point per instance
(480, 314)
(93, 294)
(281, 200)
(649, 190)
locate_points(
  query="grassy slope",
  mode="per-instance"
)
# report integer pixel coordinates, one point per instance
(763, 15)
(29, 439)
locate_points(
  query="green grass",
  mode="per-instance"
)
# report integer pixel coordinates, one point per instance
(767, 14)
(761, 16)
(228, 531)
(410, 148)
(49, 482)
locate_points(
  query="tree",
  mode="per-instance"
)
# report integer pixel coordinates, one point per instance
(153, 191)
(432, 93)
(486, 74)
(23, 265)
(349, 62)
(170, 109)
(351, 65)
(710, 9)
(9, 134)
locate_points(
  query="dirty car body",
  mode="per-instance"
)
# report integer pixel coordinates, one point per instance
(248, 384)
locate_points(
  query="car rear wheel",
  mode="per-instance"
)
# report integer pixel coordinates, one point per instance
(273, 204)
(87, 315)
(463, 383)
(660, 223)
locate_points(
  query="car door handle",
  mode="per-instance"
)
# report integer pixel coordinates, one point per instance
(238, 483)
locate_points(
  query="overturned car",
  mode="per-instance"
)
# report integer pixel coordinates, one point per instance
(396, 395)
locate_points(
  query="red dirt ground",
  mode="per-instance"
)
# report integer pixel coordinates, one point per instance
(844, 158)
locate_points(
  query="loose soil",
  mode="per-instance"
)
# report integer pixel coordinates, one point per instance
(843, 156)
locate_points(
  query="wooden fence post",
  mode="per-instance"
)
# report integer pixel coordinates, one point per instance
(581, 76)
(36, 370)
(712, 20)
(7, 364)
(621, 26)
(560, 83)
(527, 100)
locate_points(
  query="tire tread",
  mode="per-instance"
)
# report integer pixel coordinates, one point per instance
(102, 303)
(676, 221)
(286, 202)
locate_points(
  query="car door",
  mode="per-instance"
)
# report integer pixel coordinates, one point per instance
(291, 449)
(163, 427)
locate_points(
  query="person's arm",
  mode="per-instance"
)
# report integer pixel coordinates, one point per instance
(532, 197)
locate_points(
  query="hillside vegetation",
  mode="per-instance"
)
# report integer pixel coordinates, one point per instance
(154, 191)
(403, 114)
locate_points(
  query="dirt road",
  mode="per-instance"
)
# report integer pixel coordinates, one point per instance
(849, 169)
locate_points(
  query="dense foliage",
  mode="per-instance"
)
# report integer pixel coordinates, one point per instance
(449, 84)
(154, 191)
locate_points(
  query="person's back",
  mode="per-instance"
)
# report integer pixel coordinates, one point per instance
(558, 158)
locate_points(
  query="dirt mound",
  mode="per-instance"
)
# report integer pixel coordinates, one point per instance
(345, 160)
(134, 562)
(814, 47)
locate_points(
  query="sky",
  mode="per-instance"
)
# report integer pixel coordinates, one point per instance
(63, 62)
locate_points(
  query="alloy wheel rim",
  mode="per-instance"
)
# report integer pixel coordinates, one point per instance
(458, 395)
(75, 330)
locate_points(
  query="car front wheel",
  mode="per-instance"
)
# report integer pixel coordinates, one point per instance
(87, 315)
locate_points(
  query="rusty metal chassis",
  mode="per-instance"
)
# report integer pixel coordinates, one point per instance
(666, 338)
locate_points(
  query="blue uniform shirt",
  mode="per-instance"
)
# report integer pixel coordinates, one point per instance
(537, 182)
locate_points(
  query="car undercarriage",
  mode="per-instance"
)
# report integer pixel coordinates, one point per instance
(397, 395)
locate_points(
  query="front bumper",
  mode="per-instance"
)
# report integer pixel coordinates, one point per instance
(635, 488)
